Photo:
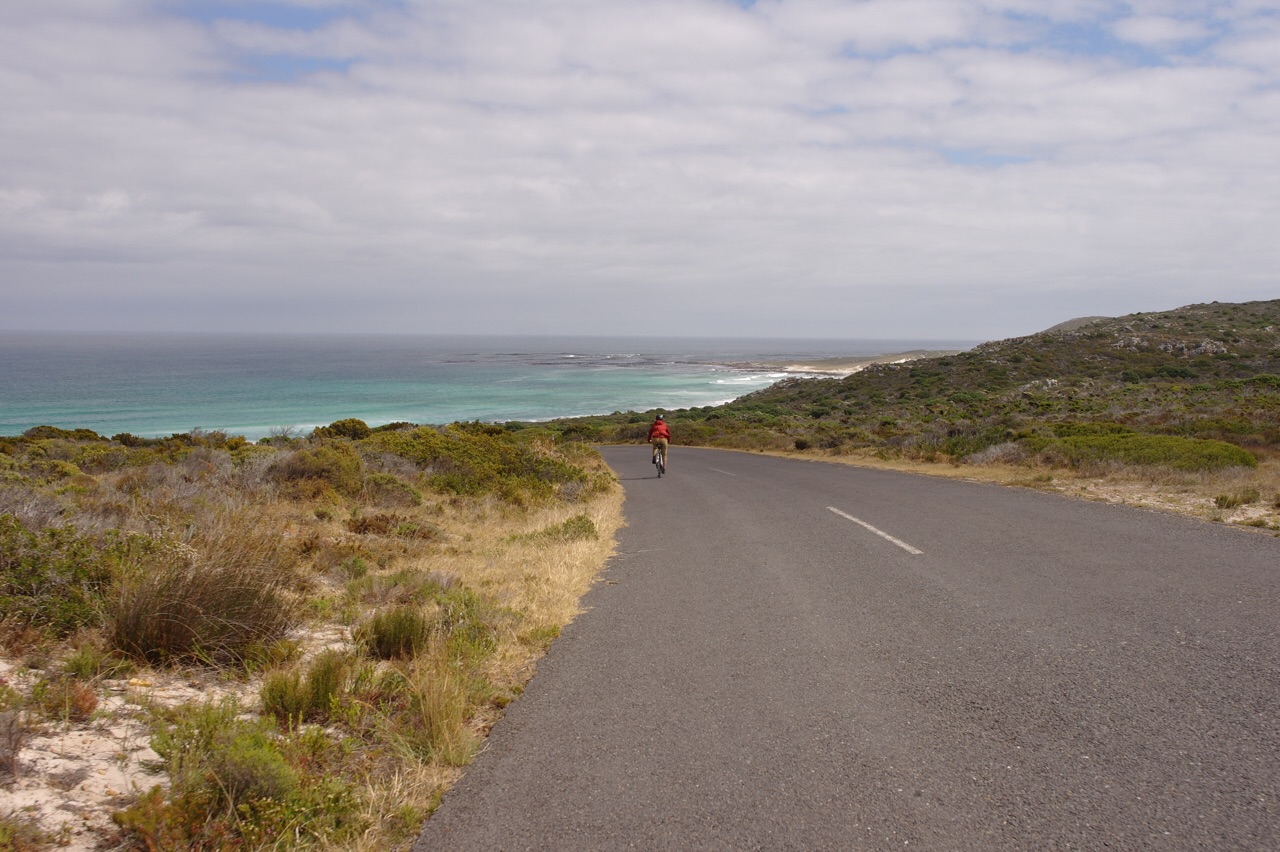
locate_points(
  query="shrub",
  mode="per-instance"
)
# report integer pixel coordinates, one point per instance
(397, 525)
(89, 662)
(402, 587)
(292, 697)
(247, 766)
(1190, 454)
(1174, 371)
(337, 464)
(1074, 429)
(46, 432)
(326, 681)
(233, 785)
(467, 623)
(397, 633)
(477, 459)
(577, 528)
(54, 578)
(284, 696)
(387, 489)
(351, 427)
(353, 567)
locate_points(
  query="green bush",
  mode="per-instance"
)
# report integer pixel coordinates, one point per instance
(285, 697)
(388, 490)
(209, 749)
(292, 697)
(337, 464)
(326, 681)
(477, 459)
(64, 699)
(399, 588)
(91, 663)
(467, 622)
(44, 432)
(577, 528)
(1189, 454)
(54, 579)
(1086, 428)
(396, 633)
(349, 428)
(235, 784)
(397, 525)
(1174, 371)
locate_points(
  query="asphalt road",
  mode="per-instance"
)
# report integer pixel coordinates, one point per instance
(795, 655)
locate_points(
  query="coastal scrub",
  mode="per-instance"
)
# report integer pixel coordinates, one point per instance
(354, 608)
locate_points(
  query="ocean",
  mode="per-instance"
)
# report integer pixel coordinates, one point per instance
(257, 385)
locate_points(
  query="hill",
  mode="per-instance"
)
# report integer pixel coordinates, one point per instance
(1195, 387)
(1078, 322)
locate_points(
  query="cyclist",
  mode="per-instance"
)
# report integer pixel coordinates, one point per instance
(660, 437)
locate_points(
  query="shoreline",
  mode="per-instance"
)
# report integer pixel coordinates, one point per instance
(843, 367)
(738, 378)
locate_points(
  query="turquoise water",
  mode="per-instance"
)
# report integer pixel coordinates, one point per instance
(253, 385)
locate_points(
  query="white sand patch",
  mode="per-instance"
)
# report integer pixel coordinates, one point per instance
(72, 777)
(842, 367)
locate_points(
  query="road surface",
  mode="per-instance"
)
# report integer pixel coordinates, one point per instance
(795, 655)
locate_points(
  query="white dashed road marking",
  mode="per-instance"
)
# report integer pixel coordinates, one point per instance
(908, 548)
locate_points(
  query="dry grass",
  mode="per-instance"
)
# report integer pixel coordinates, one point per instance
(1194, 494)
(214, 603)
(509, 562)
(240, 556)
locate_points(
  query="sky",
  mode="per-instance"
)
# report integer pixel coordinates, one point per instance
(924, 169)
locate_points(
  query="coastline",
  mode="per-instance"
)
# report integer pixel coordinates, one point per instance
(843, 367)
(254, 387)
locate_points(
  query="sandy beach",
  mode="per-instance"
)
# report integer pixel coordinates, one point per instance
(841, 367)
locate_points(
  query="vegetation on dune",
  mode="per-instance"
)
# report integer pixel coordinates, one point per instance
(447, 556)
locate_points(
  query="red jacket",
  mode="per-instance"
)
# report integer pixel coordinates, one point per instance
(659, 430)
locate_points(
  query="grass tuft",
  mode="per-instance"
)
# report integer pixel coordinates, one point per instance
(397, 633)
(1241, 498)
(224, 605)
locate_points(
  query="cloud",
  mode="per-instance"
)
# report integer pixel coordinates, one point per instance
(1160, 31)
(956, 169)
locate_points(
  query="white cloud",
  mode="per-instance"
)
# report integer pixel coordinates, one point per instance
(1160, 31)
(792, 167)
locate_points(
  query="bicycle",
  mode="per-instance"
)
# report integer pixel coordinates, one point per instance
(660, 459)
